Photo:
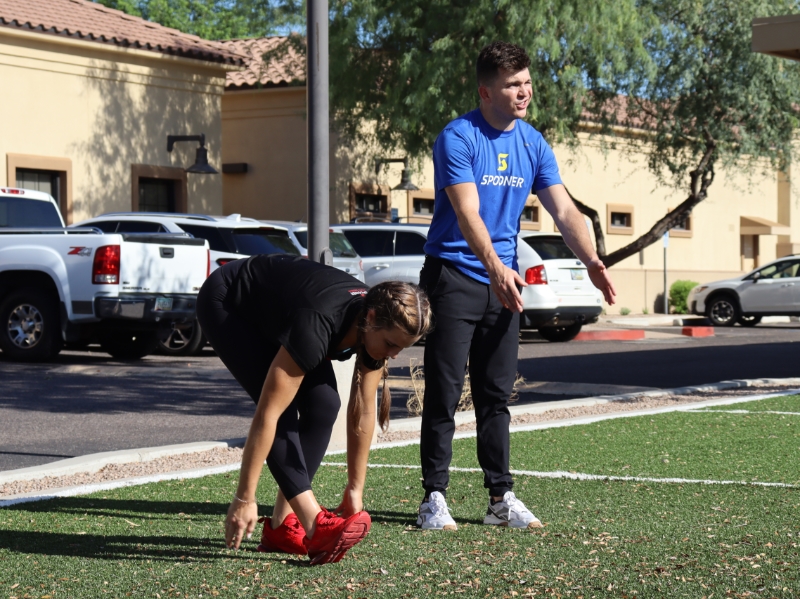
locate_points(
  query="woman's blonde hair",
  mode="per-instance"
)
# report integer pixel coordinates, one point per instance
(393, 304)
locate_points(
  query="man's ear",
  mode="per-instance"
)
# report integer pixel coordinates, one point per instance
(483, 92)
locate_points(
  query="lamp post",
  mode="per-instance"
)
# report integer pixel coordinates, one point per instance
(201, 165)
(405, 179)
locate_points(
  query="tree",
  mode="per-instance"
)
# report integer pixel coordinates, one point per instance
(709, 102)
(406, 67)
(218, 19)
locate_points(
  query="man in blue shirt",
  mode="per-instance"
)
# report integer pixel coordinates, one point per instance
(486, 163)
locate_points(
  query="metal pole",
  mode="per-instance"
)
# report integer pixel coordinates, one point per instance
(666, 294)
(318, 131)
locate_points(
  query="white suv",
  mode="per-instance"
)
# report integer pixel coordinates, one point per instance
(229, 238)
(771, 290)
(558, 300)
(345, 257)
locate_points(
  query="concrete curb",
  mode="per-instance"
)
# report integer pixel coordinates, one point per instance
(200, 472)
(96, 461)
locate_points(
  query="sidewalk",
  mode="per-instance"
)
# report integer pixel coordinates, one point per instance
(77, 475)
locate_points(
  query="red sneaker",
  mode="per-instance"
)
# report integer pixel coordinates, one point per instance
(287, 538)
(334, 536)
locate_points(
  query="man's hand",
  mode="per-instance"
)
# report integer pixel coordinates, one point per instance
(505, 282)
(600, 278)
(352, 503)
(241, 521)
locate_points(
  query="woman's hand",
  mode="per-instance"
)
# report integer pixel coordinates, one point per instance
(352, 503)
(241, 520)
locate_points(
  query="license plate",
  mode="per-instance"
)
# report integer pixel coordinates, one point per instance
(576, 274)
(163, 304)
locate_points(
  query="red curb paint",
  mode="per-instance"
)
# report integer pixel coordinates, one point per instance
(618, 335)
(698, 331)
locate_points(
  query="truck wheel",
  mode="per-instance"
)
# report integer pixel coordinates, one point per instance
(181, 342)
(723, 311)
(561, 334)
(30, 327)
(129, 345)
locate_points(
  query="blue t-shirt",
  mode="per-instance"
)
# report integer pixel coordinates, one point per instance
(505, 166)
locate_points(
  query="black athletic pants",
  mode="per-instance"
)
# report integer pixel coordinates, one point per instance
(304, 430)
(469, 323)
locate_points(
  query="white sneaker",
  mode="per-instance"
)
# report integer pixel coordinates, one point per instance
(511, 512)
(434, 515)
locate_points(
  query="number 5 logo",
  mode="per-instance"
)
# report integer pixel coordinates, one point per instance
(501, 162)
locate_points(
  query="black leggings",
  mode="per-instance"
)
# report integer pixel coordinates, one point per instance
(304, 430)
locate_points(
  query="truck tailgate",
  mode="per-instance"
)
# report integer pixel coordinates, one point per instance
(162, 264)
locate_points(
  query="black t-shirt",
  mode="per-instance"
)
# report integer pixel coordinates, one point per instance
(304, 306)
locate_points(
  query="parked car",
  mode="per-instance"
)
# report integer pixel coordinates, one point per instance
(229, 238)
(345, 256)
(771, 290)
(389, 251)
(558, 300)
(74, 285)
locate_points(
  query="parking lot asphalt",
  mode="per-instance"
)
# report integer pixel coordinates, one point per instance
(87, 402)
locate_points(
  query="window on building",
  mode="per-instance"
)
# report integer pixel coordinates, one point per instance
(40, 180)
(619, 219)
(156, 195)
(423, 206)
(683, 228)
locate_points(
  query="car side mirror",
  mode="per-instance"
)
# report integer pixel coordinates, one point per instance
(756, 277)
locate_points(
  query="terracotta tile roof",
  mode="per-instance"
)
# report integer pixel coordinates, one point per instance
(90, 21)
(286, 66)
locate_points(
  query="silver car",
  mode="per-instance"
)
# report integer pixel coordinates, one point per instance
(345, 256)
(389, 251)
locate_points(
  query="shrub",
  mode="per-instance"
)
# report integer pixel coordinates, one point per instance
(624, 311)
(678, 292)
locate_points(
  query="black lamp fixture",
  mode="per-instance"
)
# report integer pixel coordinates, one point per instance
(405, 179)
(201, 165)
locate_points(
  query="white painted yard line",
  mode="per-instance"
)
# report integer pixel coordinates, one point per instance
(582, 476)
(744, 412)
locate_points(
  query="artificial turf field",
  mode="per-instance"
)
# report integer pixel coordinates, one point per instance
(653, 522)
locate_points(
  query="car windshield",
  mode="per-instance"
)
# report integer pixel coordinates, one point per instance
(340, 247)
(550, 248)
(21, 212)
(263, 241)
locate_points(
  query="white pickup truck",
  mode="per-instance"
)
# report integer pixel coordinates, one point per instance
(78, 285)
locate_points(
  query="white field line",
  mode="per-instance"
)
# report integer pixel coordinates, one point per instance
(116, 484)
(744, 412)
(602, 477)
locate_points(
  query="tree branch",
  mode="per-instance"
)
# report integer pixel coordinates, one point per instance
(599, 237)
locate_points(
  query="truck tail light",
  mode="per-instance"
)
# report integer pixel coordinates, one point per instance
(105, 270)
(536, 275)
(224, 261)
(208, 263)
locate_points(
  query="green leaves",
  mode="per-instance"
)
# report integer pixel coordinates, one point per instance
(407, 67)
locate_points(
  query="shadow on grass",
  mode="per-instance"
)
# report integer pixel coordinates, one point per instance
(409, 519)
(114, 508)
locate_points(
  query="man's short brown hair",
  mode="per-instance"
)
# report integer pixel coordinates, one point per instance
(500, 55)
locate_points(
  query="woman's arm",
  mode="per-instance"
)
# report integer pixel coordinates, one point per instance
(358, 442)
(280, 387)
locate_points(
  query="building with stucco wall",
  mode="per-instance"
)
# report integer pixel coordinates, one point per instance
(89, 97)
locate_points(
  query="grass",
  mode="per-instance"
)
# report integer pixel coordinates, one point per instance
(603, 538)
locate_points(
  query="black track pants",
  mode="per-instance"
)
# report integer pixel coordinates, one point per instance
(304, 429)
(469, 323)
